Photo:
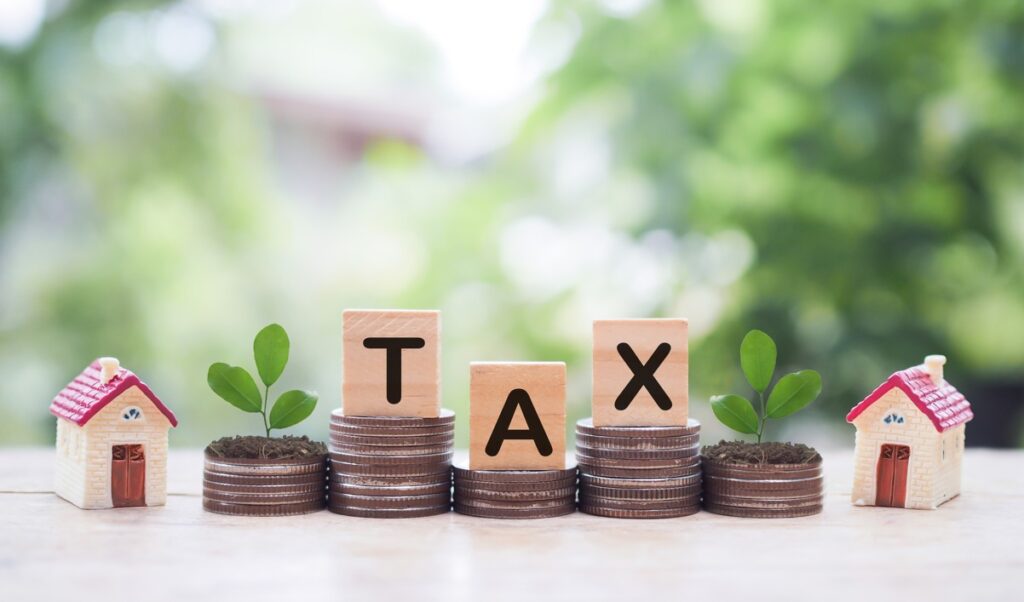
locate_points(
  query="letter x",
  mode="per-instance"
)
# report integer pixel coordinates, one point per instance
(643, 377)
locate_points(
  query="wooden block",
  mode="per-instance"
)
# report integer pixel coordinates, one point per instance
(392, 363)
(524, 399)
(625, 355)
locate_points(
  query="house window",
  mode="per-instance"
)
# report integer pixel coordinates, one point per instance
(131, 414)
(893, 418)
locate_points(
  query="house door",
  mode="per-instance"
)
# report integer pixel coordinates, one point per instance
(128, 476)
(893, 461)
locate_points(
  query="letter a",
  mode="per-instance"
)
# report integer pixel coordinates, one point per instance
(518, 398)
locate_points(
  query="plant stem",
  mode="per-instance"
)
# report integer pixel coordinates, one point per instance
(763, 417)
(266, 399)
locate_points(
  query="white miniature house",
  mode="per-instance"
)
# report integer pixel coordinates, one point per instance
(111, 439)
(910, 439)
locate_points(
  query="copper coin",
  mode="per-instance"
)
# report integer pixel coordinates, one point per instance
(625, 513)
(636, 443)
(756, 513)
(389, 513)
(389, 502)
(589, 460)
(444, 457)
(378, 451)
(587, 480)
(400, 441)
(393, 481)
(744, 488)
(519, 504)
(513, 476)
(586, 426)
(755, 504)
(270, 510)
(639, 454)
(616, 504)
(639, 472)
(446, 417)
(230, 480)
(265, 467)
(762, 471)
(264, 499)
(392, 432)
(669, 493)
(516, 487)
(265, 489)
(435, 489)
(514, 496)
(344, 469)
(516, 513)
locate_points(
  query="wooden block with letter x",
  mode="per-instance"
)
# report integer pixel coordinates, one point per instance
(392, 363)
(641, 372)
(516, 415)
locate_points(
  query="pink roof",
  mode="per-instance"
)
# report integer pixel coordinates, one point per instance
(85, 396)
(942, 404)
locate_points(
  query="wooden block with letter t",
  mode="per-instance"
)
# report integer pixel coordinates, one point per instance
(641, 372)
(392, 363)
(517, 415)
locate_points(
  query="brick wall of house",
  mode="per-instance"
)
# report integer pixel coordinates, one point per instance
(69, 473)
(947, 482)
(106, 429)
(917, 432)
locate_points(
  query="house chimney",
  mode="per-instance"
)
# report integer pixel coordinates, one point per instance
(108, 368)
(933, 366)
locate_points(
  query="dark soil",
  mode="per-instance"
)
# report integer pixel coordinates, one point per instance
(275, 448)
(742, 452)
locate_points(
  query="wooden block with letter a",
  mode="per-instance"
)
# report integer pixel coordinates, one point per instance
(392, 363)
(517, 415)
(641, 372)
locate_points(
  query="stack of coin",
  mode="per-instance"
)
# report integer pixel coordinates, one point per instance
(391, 467)
(515, 493)
(763, 490)
(264, 487)
(639, 471)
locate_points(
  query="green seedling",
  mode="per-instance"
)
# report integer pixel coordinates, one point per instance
(791, 393)
(236, 386)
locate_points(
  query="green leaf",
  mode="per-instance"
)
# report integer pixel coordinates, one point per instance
(291, 408)
(735, 412)
(235, 386)
(271, 351)
(757, 356)
(793, 392)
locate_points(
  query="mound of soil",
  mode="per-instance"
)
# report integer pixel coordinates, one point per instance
(273, 448)
(742, 452)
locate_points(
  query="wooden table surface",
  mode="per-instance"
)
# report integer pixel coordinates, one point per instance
(972, 548)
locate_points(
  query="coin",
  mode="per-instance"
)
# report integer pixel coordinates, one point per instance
(762, 489)
(516, 513)
(615, 504)
(585, 459)
(514, 496)
(444, 457)
(390, 502)
(513, 476)
(636, 442)
(762, 471)
(588, 480)
(437, 487)
(407, 450)
(270, 510)
(392, 481)
(264, 489)
(350, 439)
(446, 417)
(265, 467)
(638, 454)
(389, 513)
(263, 499)
(516, 486)
(756, 513)
(586, 426)
(668, 493)
(640, 472)
(346, 469)
(626, 513)
(389, 432)
(229, 480)
(513, 504)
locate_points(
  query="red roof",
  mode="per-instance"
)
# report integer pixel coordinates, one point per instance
(942, 404)
(85, 396)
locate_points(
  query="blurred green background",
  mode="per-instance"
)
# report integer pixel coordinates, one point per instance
(848, 177)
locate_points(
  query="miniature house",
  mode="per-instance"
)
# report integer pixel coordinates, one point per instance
(910, 440)
(111, 439)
